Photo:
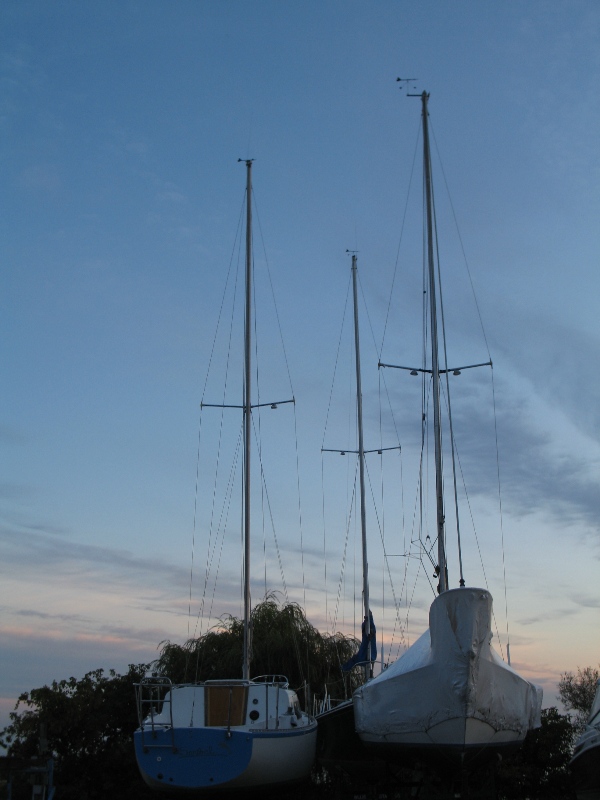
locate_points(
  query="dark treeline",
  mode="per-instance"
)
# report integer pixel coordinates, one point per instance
(86, 725)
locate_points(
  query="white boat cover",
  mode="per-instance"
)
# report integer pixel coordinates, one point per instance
(450, 689)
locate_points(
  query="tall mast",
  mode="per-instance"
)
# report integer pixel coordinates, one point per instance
(361, 462)
(247, 421)
(435, 366)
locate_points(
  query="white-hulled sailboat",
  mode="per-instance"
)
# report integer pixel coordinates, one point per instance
(226, 735)
(450, 694)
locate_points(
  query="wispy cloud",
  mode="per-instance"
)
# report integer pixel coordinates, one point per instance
(586, 600)
(552, 614)
(34, 613)
(31, 550)
(538, 472)
(553, 359)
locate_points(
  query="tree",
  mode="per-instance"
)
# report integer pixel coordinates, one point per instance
(577, 693)
(540, 769)
(88, 725)
(283, 642)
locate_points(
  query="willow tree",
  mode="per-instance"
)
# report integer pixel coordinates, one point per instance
(283, 642)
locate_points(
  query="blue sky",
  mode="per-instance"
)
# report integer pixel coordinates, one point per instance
(121, 125)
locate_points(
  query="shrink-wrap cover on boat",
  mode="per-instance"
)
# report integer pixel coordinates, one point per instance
(449, 689)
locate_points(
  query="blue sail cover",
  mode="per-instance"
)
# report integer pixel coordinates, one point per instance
(368, 647)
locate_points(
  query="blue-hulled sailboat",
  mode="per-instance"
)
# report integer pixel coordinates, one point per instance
(226, 735)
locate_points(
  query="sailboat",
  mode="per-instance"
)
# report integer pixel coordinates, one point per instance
(337, 739)
(449, 694)
(338, 744)
(367, 652)
(239, 735)
(585, 763)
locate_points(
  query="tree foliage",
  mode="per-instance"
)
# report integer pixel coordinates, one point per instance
(88, 724)
(283, 642)
(577, 693)
(540, 769)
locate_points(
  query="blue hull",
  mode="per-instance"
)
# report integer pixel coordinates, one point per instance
(206, 760)
(201, 758)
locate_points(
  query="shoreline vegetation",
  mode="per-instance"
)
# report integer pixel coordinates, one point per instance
(85, 726)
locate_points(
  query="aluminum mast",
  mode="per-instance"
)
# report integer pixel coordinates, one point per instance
(435, 366)
(247, 423)
(361, 460)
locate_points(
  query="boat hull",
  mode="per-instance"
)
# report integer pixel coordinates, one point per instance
(585, 767)
(337, 741)
(585, 764)
(449, 695)
(210, 760)
(218, 736)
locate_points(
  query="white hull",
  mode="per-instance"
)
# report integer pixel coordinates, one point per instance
(184, 749)
(450, 691)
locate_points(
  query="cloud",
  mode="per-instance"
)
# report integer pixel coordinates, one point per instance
(539, 475)
(28, 612)
(553, 614)
(64, 656)
(32, 550)
(539, 472)
(552, 358)
(587, 601)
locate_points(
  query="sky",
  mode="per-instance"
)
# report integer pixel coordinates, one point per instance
(121, 128)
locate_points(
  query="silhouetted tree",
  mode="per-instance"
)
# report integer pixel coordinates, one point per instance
(540, 769)
(577, 693)
(283, 642)
(88, 725)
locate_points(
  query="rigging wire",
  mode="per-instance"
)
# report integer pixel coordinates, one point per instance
(501, 516)
(219, 537)
(236, 246)
(450, 421)
(344, 555)
(394, 275)
(386, 560)
(462, 247)
(381, 522)
(218, 522)
(485, 339)
(327, 414)
(289, 377)
(264, 490)
(269, 508)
